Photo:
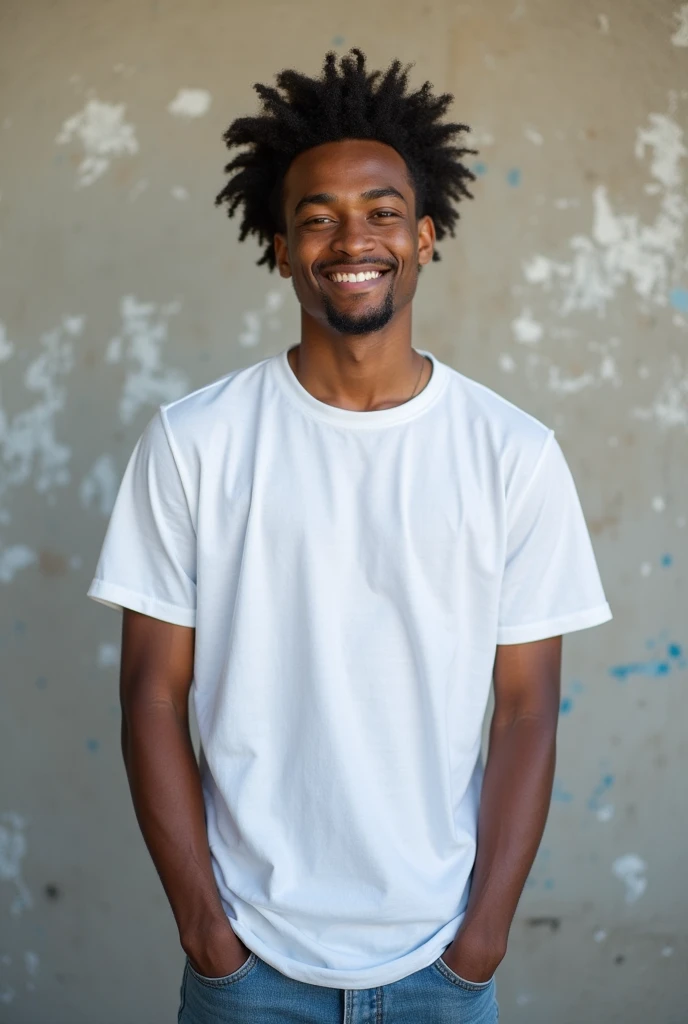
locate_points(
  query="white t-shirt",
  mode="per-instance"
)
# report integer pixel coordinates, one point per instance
(349, 575)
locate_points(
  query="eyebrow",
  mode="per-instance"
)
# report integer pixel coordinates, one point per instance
(319, 198)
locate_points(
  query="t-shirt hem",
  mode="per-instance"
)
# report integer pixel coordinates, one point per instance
(114, 596)
(373, 977)
(554, 627)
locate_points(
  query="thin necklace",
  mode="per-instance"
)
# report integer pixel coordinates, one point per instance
(412, 395)
(422, 367)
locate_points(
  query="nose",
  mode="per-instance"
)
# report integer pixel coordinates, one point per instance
(353, 237)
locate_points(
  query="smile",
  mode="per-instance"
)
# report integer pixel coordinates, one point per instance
(368, 275)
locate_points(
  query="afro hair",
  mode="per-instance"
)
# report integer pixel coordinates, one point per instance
(346, 102)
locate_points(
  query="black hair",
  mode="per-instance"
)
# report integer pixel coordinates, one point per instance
(346, 102)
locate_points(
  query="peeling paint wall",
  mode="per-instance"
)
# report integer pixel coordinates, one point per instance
(121, 286)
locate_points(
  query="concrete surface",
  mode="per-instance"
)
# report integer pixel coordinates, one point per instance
(121, 286)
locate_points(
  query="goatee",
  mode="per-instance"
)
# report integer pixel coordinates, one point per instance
(366, 323)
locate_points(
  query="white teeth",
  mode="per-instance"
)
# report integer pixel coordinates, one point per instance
(368, 275)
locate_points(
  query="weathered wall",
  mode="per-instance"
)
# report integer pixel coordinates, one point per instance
(121, 286)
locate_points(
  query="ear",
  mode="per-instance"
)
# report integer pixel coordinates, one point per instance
(282, 255)
(426, 240)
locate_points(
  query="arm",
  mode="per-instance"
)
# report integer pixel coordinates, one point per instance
(516, 793)
(165, 783)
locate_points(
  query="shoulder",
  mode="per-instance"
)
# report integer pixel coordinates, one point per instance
(509, 435)
(194, 418)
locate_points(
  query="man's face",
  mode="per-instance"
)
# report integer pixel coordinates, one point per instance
(349, 208)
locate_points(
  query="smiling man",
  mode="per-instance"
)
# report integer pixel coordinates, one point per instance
(340, 550)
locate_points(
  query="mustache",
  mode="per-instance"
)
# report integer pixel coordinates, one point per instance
(322, 268)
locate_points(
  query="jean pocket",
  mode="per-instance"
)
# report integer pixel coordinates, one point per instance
(228, 979)
(456, 979)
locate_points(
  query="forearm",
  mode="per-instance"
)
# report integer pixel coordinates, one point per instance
(167, 795)
(515, 799)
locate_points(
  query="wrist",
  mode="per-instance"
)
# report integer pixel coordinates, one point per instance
(481, 948)
(199, 929)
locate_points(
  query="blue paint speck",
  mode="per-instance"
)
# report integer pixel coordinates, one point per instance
(565, 706)
(561, 795)
(338, 40)
(93, 745)
(679, 299)
(576, 686)
(41, 682)
(666, 560)
(674, 650)
(514, 176)
(549, 883)
(480, 168)
(605, 783)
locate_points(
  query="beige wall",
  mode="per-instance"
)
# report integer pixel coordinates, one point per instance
(121, 286)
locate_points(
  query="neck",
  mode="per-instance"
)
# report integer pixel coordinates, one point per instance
(363, 373)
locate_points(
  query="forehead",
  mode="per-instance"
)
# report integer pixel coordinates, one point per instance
(345, 169)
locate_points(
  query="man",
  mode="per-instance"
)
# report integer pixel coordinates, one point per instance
(343, 547)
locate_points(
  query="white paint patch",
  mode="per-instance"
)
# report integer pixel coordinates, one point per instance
(108, 655)
(680, 36)
(28, 445)
(143, 335)
(667, 951)
(481, 137)
(13, 559)
(605, 812)
(620, 249)
(600, 935)
(100, 485)
(533, 135)
(526, 329)
(6, 995)
(568, 385)
(606, 372)
(179, 192)
(630, 869)
(680, 522)
(104, 134)
(190, 103)
(523, 999)
(6, 346)
(646, 569)
(669, 408)
(565, 204)
(603, 22)
(12, 851)
(507, 363)
(658, 503)
(32, 962)
(254, 321)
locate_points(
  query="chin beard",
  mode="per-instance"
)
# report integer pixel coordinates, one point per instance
(366, 323)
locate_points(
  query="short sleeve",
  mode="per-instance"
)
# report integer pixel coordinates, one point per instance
(551, 584)
(148, 558)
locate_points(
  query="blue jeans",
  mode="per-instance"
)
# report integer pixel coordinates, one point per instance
(258, 994)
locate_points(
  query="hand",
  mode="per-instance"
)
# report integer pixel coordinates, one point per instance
(472, 961)
(218, 952)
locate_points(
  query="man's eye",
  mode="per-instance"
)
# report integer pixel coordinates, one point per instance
(318, 220)
(385, 213)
